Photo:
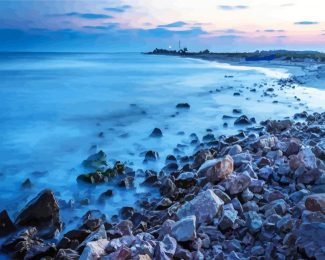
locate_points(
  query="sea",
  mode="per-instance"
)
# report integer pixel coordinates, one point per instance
(56, 109)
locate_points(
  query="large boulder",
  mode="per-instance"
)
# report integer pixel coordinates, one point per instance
(221, 169)
(42, 212)
(205, 206)
(184, 229)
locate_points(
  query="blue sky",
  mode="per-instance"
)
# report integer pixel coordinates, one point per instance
(115, 25)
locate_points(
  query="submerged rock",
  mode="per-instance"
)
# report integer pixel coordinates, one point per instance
(242, 120)
(42, 212)
(156, 133)
(96, 160)
(183, 106)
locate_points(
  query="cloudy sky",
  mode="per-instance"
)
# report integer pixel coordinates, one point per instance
(140, 25)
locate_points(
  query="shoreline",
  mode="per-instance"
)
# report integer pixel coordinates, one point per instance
(261, 181)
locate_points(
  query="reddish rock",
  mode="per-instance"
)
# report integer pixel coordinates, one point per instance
(315, 202)
(222, 169)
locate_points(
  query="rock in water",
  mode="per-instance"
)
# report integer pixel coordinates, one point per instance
(156, 133)
(6, 225)
(205, 206)
(96, 160)
(242, 120)
(185, 229)
(42, 212)
(183, 106)
(222, 168)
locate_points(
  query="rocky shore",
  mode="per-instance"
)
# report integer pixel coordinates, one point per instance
(259, 194)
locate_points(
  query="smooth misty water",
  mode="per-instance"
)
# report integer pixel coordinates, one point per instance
(53, 106)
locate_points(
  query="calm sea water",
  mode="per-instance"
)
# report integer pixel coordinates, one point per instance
(53, 107)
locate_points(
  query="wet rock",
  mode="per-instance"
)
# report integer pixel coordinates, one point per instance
(253, 221)
(151, 156)
(164, 203)
(278, 126)
(319, 150)
(27, 184)
(67, 254)
(42, 212)
(186, 180)
(228, 217)
(205, 206)
(237, 111)
(167, 188)
(183, 106)
(316, 202)
(6, 225)
(94, 249)
(184, 229)
(166, 248)
(237, 184)
(126, 212)
(200, 157)
(125, 227)
(170, 158)
(242, 120)
(156, 133)
(126, 182)
(221, 169)
(92, 220)
(96, 160)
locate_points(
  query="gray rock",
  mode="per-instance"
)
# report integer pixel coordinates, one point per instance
(253, 221)
(238, 183)
(184, 229)
(166, 249)
(205, 206)
(228, 217)
(94, 250)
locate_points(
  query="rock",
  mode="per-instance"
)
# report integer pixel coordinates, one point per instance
(315, 202)
(164, 203)
(42, 212)
(185, 180)
(156, 133)
(184, 229)
(311, 239)
(126, 212)
(27, 184)
(92, 220)
(126, 182)
(166, 248)
(235, 149)
(222, 195)
(125, 227)
(253, 221)
(292, 147)
(123, 253)
(183, 106)
(278, 126)
(96, 160)
(6, 225)
(40, 251)
(205, 206)
(298, 195)
(170, 158)
(307, 158)
(221, 169)
(67, 254)
(228, 217)
(285, 224)
(94, 250)
(319, 150)
(237, 184)
(151, 156)
(200, 158)
(237, 111)
(307, 176)
(167, 188)
(242, 120)
(256, 186)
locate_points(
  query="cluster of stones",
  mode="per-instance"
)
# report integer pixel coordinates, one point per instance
(256, 195)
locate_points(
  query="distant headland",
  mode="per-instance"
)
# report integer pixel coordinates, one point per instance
(285, 55)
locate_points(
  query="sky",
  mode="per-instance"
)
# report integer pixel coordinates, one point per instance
(142, 25)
